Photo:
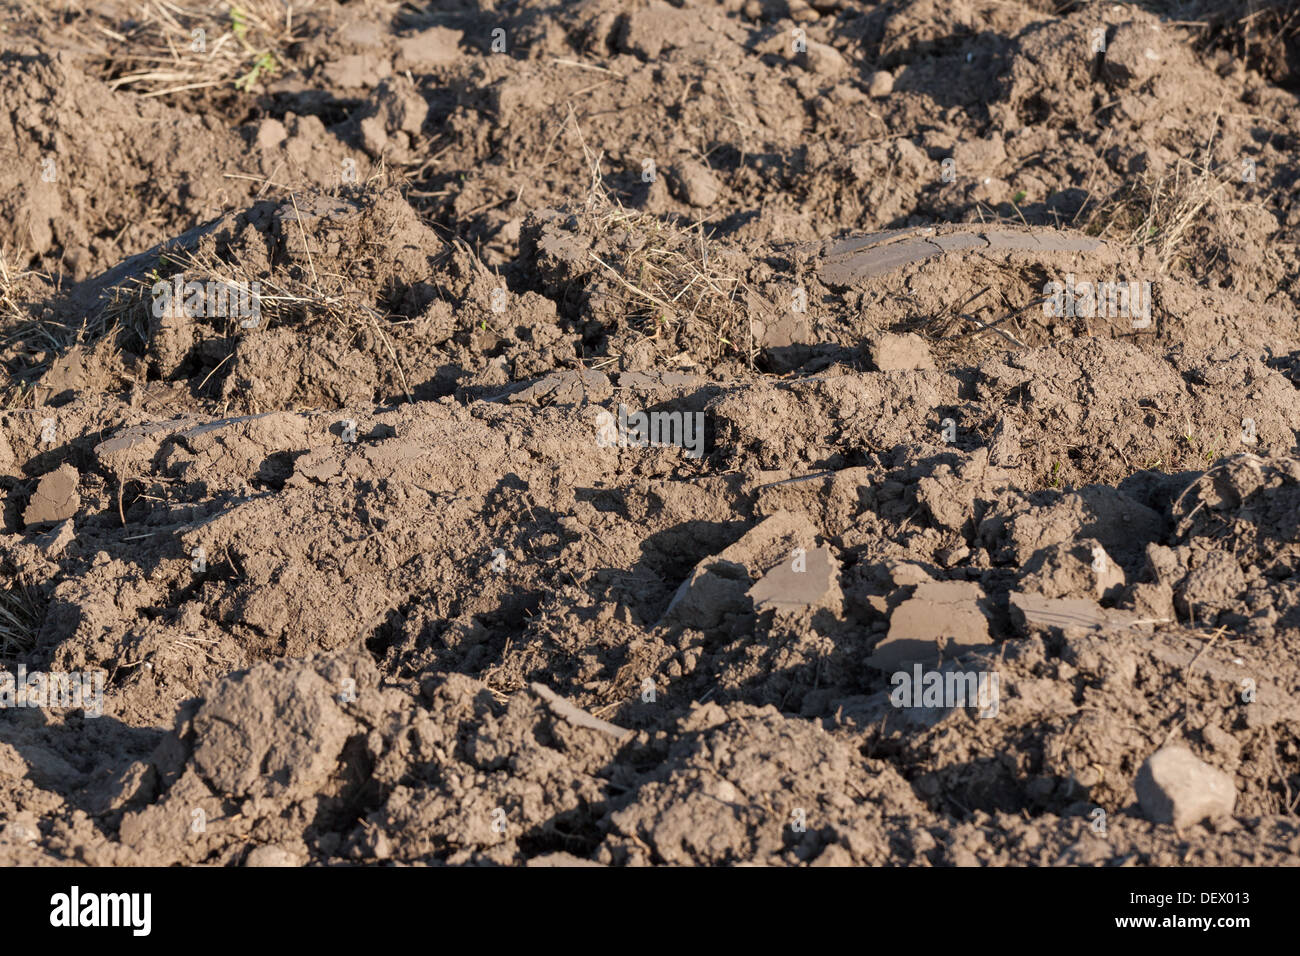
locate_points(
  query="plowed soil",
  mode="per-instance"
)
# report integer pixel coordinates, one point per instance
(321, 329)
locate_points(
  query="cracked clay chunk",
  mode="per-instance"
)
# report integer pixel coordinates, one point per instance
(807, 580)
(55, 498)
(940, 619)
(900, 353)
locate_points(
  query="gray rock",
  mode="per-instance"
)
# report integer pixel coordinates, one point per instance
(1174, 786)
(695, 184)
(822, 59)
(881, 84)
(271, 856)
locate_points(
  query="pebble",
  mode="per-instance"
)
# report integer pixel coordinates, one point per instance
(880, 85)
(1174, 786)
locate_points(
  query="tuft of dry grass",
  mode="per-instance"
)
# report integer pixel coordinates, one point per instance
(170, 48)
(666, 282)
(11, 311)
(1262, 35)
(20, 619)
(20, 332)
(1157, 212)
(280, 300)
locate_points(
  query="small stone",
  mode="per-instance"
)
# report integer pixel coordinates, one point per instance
(822, 59)
(880, 85)
(271, 856)
(373, 136)
(695, 184)
(1174, 786)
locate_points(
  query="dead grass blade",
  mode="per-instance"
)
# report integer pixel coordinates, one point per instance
(20, 619)
(167, 48)
(665, 282)
(1158, 212)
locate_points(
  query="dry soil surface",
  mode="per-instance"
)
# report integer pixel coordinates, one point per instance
(326, 329)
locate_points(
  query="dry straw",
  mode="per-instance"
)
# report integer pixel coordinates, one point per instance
(171, 48)
(665, 281)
